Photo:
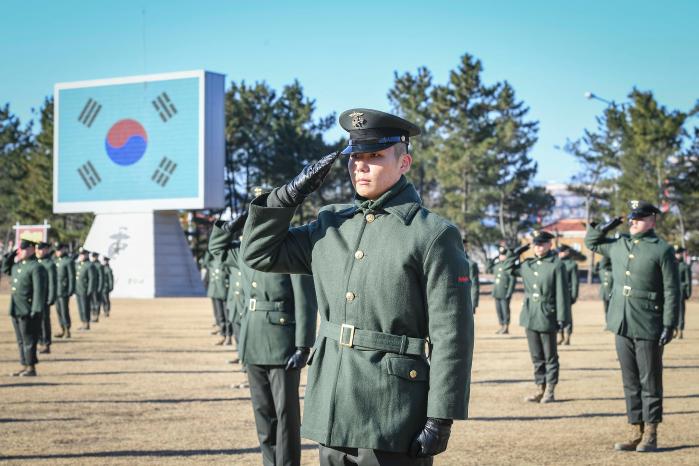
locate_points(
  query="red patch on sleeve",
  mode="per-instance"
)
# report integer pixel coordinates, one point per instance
(463, 279)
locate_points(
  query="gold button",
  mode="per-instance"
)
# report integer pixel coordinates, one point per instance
(216, 270)
(237, 283)
(240, 273)
(237, 293)
(14, 289)
(359, 254)
(15, 280)
(536, 273)
(282, 320)
(497, 281)
(254, 284)
(370, 218)
(606, 283)
(656, 307)
(500, 269)
(535, 285)
(628, 272)
(631, 256)
(538, 262)
(413, 374)
(349, 296)
(636, 241)
(19, 270)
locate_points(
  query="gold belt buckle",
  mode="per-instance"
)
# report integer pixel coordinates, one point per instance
(626, 291)
(535, 296)
(346, 341)
(252, 304)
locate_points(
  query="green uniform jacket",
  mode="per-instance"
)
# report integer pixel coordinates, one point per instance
(604, 271)
(504, 283)
(99, 268)
(29, 286)
(280, 312)
(573, 278)
(65, 277)
(50, 267)
(218, 279)
(645, 297)
(546, 292)
(85, 278)
(388, 266)
(475, 285)
(685, 272)
(108, 284)
(234, 300)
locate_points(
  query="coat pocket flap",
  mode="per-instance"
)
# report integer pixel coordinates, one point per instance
(414, 370)
(280, 318)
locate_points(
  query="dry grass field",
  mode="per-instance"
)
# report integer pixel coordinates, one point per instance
(147, 386)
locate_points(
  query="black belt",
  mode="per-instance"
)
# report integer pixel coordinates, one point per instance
(257, 305)
(350, 336)
(636, 293)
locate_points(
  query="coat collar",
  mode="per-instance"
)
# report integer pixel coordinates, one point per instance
(648, 236)
(400, 200)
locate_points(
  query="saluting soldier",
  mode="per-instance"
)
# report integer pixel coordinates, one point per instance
(65, 287)
(277, 331)
(27, 303)
(473, 278)
(545, 310)
(606, 278)
(85, 287)
(685, 272)
(389, 276)
(96, 297)
(107, 286)
(642, 314)
(234, 299)
(573, 288)
(503, 288)
(218, 291)
(44, 258)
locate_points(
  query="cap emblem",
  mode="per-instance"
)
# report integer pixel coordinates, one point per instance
(358, 120)
(634, 204)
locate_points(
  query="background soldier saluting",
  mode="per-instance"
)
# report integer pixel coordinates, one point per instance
(27, 303)
(642, 314)
(65, 287)
(685, 272)
(218, 291)
(503, 288)
(606, 278)
(389, 276)
(85, 286)
(573, 287)
(545, 310)
(44, 258)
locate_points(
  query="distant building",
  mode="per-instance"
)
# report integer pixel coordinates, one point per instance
(568, 204)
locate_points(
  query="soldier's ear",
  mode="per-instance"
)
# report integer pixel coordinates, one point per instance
(406, 160)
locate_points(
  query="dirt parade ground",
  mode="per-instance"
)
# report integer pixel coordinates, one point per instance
(147, 386)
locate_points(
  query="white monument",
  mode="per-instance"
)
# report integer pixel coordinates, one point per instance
(134, 151)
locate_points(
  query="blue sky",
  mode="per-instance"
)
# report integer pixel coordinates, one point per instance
(345, 53)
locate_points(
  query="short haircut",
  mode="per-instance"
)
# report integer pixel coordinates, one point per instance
(400, 149)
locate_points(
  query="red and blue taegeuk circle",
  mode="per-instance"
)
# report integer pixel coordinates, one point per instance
(126, 142)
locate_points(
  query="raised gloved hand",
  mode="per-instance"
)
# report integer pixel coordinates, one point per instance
(234, 224)
(521, 249)
(665, 336)
(299, 359)
(432, 439)
(311, 177)
(612, 224)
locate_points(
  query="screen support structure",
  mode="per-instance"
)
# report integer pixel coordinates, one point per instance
(148, 253)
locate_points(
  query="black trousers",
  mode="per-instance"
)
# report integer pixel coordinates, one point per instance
(275, 402)
(27, 332)
(502, 307)
(641, 364)
(219, 311)
(45, 338)
(83, 306)
(95, 303)
(106, 303)
(683, 308)
(544, 353)
(63, 311)
(340, 456)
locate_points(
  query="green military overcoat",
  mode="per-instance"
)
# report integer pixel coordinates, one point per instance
(234, 299)
(604, 271)
(29, 286)
(388, 275)
(50, 267)
(218, 279)
(685, 272)
(475, 283)
(108, 284)
(85, 278)
(546, 293)
(645, 297)
(503, 283)
(65, 277)
(99, 273)
(573, 278)
(280, 310)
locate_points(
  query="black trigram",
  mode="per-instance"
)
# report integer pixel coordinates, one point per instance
(89, 175)
(161, 175)
(164, 106)
(89, 113)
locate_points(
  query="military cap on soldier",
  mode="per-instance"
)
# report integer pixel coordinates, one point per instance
(563, 248)
(84, 251)
(26, 243)
(95, 254)
(641, 209)
(541, 237)
(257, 191)
(42, 245)
(373, 130)
(59, 246)
(679, 249)
(502, 250)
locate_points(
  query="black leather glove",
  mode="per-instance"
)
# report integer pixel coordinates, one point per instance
(299, 359)
(612, 224)
(665, 337)
(293, 193)
(561, 325)
(234, 224)
(521, 249)
(432, 439)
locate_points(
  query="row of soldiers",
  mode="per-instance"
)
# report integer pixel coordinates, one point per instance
(41, 277)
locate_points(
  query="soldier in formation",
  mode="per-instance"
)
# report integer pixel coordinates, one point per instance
(86, 280)
(503, 288)
(685, 273)
(28, 301)
(642, 314)
(606, 279)
(107, 286)
(390, 276)
(43, 255)
(546, 310)
(565, 256)
(65, 288)
(96, 296)
(217, 290)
